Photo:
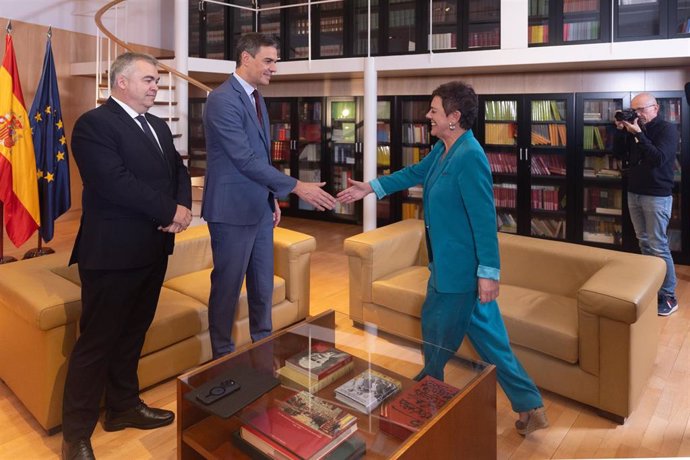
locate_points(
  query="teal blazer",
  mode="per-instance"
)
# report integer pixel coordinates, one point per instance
(459, 213)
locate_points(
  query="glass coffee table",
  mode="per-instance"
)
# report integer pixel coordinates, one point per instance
(325, 388)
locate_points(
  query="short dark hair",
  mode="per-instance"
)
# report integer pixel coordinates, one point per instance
(251, 42)
(124, 62)
(457, 95)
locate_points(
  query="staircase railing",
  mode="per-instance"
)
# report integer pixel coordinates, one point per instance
(112, 37)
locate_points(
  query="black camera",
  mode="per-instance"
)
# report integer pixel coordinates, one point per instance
(628, 115)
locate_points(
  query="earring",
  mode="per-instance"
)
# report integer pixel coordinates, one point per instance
(451, 126)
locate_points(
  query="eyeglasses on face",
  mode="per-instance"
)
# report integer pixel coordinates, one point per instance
(641, 109)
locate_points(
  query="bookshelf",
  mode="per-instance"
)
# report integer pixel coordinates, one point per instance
(387, 209)
(568, 22)
(415, 143)
(679, 21)
(196, 137)
(360, 27)
(528, 142)
(483, 24)
(640, 19)
(282, 142)
(344, 149)
(214, 29)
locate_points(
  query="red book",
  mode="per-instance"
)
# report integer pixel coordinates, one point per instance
(318, 362)
(302, 427)
(408, 411)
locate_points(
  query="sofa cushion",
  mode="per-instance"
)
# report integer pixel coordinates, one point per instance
(197, 285)
(177, 318)
(542, 322)
(403, 291)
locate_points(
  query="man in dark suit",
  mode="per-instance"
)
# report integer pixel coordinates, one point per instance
(137, 195)
(240, 192)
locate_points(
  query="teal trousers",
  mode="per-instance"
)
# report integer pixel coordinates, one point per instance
(447, 318)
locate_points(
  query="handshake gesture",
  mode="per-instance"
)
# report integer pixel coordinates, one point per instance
(181, 220)
(312, 193)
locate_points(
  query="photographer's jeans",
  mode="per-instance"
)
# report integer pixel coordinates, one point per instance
(650, 216)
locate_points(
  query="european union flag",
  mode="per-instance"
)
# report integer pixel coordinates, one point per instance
(50, 145)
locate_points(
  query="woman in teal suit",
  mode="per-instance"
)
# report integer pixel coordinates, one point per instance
(460, 221)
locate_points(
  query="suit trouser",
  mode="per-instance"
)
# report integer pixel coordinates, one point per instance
(118, 307)
(447, 318)
(240, 250)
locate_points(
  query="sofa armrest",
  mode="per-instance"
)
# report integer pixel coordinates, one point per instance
(292, 258)
(623, 287)
(379, 252)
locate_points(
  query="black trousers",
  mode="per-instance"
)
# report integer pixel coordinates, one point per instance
(117, 309)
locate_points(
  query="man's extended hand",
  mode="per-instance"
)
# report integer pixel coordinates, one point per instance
(312, 193)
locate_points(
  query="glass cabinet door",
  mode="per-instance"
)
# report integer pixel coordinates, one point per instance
(384, 209)
(500, 135)
(553, 22)
(548, 162)
(602, 191)
(345, 156)
(241, 22)
(445, 25)
(680, 18)
(214, 35)
(483, 24)
(309, 143)
(582, 21)
(270, 21)
(538, 28)
(331, 33)
(639, 19)
(670, 109)
(298, 32)
(415, 144)
(402, 27)
(280, 114)
(195, 21)
(361, 28)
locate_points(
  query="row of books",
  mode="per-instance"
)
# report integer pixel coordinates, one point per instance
(332, 24)
(603, 200)
(546, 197)
(539, 7)
(412, 155)
(280, 151)
(602, 229)
(584, 30)
(549, 134)
(550, 228)
(606, 162)
(445, 41)
(597, 137)
(600, 109)
(501, 133)
(331, 50)
(412, 211)
(280, 131)
(503, 163)
(538, 33)
(579, 6)
(548, 165)
(505, 195)
(400, 18)
(415, 133)
(485, 39)
(310, 111)
(310, 152)
(505, 222)
(310, 132)
(548, 110)
(383, 155)
(344, 154)
(340, 176)
(383, 132)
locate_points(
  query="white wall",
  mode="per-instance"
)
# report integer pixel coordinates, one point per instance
(148, 22)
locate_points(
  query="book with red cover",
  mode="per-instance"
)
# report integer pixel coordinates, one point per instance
(319, 361)
(302, 427)
(408, 411)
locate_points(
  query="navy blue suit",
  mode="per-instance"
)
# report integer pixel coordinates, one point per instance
(130, 189)
(238, 205)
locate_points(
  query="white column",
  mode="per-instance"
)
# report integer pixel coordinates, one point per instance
(181, 64)
(369, 154)
(514, 24)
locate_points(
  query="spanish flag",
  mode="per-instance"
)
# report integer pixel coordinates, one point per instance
(18, 186)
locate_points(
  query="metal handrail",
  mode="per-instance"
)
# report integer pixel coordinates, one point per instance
(107, 33)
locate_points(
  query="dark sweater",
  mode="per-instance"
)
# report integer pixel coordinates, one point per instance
(650, 160)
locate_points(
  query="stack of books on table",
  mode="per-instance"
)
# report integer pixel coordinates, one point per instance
(366, 391)
(409, 410)
(315, 368)
(303, 427)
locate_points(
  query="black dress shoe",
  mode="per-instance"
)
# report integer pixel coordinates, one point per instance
(78, 450)
(140, 416)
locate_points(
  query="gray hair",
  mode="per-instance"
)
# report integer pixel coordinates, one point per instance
(124, 62)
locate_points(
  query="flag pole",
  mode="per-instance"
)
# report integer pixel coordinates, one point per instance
(4, 259)
(40, 250)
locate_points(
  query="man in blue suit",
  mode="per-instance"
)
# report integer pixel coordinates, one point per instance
(240, 192)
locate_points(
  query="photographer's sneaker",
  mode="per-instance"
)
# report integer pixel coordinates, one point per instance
(667, 306)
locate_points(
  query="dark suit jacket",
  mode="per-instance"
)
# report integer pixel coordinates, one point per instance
(129, 189)
(240, 179)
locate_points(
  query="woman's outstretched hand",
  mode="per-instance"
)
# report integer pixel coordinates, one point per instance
(356, 191)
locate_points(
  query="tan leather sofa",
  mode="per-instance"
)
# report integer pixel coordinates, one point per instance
(40, 307)
(582, 320)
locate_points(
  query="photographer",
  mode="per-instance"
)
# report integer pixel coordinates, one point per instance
(647, 144)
